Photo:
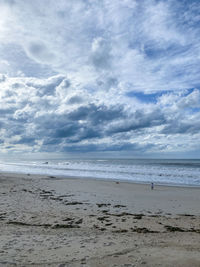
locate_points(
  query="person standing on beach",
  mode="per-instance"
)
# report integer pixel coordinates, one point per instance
(152, 186)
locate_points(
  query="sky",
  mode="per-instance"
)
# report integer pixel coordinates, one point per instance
(100, 78)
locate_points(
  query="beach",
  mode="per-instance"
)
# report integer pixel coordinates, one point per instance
(66, 221)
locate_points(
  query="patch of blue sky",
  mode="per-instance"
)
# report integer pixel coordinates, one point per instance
(152, 98)
(146, 98)
(189, 91)
(154, 52)
(187, 13)
(191, 111)
(194, 110)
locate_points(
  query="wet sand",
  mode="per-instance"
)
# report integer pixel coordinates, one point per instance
(52, 221)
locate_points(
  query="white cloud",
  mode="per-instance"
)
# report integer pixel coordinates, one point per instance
(67, 67)
(190, 101)
(70, 116)
(129, 40)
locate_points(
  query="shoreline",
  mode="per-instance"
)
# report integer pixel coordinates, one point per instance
(52, 221)
(101, 179)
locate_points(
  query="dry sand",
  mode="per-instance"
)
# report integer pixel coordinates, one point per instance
(49, 221)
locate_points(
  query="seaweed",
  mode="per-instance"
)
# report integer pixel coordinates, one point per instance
(58, 226)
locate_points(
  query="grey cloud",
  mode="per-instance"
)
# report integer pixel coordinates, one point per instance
(66, 83)
(64, 88)
(84, 123)
(17, 85)
(106, 48)
(2, 78)
(106, 82)
(8, 2)
(51, 141)
(107, 147)
(18, 63)
(139, 120)
(182, 128)
(121, 38)
(39, 52)
(48, 87)
(66, 131)
(101, 57)
(21, 116)
(192, 100)
(71, 133)
(68, 125)
(89, 132)
(13, 129)
(86, 133)
(6, 111)
(75, 100)
(25, 140)
(9, 147)
(52, 122)
(97, 114)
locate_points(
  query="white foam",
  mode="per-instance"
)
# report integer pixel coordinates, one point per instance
(162, 172)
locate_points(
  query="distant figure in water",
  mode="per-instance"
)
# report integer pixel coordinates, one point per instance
(152, 186)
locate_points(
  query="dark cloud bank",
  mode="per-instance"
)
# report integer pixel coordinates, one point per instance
(37, 117)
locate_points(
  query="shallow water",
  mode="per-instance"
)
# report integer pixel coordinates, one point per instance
(160, 171)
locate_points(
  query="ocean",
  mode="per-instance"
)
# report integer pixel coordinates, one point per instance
(159, 171)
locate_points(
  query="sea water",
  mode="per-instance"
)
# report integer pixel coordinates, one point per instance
(159, 171)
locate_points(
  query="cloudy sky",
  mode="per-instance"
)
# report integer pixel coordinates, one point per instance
(100, 77)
